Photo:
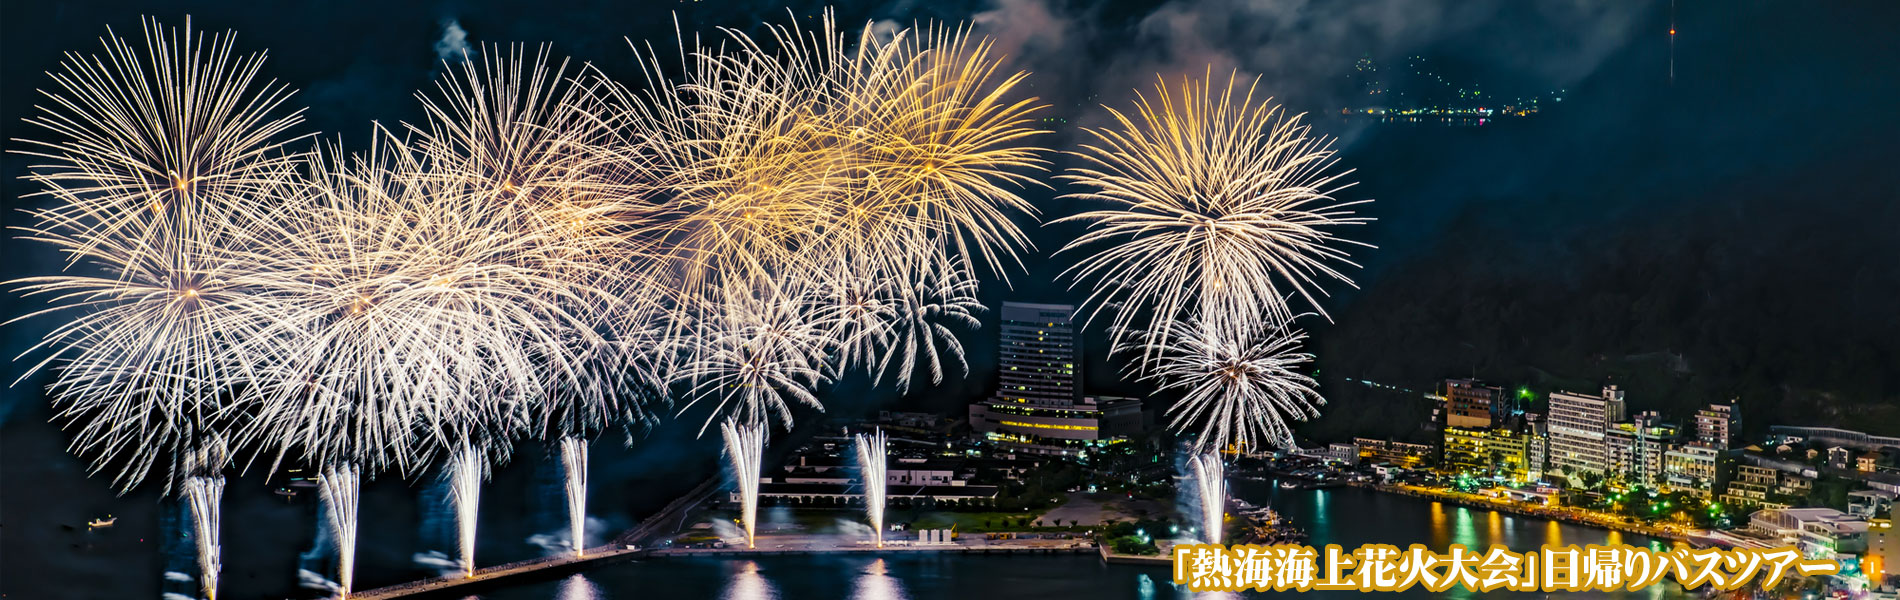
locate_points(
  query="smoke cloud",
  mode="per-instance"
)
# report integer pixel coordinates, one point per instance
(454, 43)
(1086, 54)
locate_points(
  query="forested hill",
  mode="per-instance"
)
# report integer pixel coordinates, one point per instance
(1790, 304)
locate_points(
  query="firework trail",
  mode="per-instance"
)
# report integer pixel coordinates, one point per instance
(574, 464)
(1224, 208)
(341, 487)
(871, 458)
(203, 493)
(1211, 487)
(745, 448)
(1224, 211)
(941, 295)
(762, 356)
(466, 470)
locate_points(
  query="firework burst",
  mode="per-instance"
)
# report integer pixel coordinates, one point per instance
(1224, 210)
(1240, 387)
(940, 298)
(761, 356)
(156, 181)
(156, 173)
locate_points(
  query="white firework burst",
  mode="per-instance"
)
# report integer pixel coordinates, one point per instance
(1224, 208)
(1241, 387)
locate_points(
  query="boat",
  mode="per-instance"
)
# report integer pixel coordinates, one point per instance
(102, 522)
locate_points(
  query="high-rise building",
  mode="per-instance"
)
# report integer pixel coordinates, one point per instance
(1636, 449)
(1469, 404)
(1537, 447)
(1038, 405)
(1040, 356)
(1579, 428)
(1718, 426)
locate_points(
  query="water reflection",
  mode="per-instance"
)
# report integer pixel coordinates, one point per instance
(578, 587)
(876, 583)
(1362, 517)
(1465, 533)
(1440, 537)
(748, 584)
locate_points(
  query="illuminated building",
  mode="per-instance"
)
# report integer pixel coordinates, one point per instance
(1636, 450)
(1579, 431)
(1502, 451)
(1718, 426)
(1470, 404)
(1693, 468)
(1400, 454)
(1038, 405)
(1753, 486)
(1882, 563)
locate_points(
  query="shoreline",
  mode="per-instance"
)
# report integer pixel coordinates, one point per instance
(499, 575)
(1472, 501)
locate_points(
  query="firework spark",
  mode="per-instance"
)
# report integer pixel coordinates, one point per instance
(155, 180)
(1210, 487)
(1224, 210)
(871, 466)
(762, 356)
(1241, 386)
(941, 295)
(159, 156)
(745, 447)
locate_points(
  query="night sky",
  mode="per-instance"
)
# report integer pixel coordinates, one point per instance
(1733, 233)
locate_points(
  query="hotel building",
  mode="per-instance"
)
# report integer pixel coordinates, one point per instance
(1038, 405)
(1579, 430)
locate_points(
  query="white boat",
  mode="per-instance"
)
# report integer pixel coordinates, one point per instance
(105, 521)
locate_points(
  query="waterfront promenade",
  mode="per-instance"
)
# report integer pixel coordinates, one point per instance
(672, 519)
(1576, 516)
